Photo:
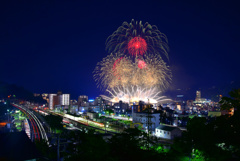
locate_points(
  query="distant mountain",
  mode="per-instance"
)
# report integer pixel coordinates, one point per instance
(220, 90)
(20, 93)
(209, 93)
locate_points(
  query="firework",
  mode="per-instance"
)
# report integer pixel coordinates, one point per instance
(135, 94)
(141, 64)
(137, 46)
(117, 70)
(137, 71)
(136, 39)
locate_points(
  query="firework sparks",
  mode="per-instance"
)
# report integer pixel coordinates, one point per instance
(141, 64)
(135, 94)
(137, 46)
(136, 72)
(136, 39)
(115, 70)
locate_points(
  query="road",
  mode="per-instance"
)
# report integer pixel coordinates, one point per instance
(38, 130)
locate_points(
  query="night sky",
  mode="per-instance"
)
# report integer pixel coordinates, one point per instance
(52, 45)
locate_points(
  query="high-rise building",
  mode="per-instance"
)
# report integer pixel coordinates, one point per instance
(64, 99)
(58, 99)
(82, 100)
(51, 101)
(98, 101)
(198, 96)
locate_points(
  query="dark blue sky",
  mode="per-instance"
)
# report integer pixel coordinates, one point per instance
(47, 46)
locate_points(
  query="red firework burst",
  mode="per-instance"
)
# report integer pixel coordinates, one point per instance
(137, 46)
(141, 64)
(116, 63)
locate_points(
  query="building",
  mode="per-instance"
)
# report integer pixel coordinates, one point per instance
(92, 115)
(94, 109)
(147, 119)
(73, 102)
(52, 101)
(64, 99)
(167, 132)
(45, 97)
(121, 107)
(198, 96)
(189, 103)
(59, 99)
(98, 101)
(228, 112)
(83, 101)
(73, 109)
(140, 106)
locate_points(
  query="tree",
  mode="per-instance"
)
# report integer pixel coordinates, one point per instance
(90, 147)
(233, 101)
(126, 144)
(108, 111)
(55, 122)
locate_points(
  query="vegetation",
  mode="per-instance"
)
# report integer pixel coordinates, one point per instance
(206, 139)
(55, 122)
(108, 111)
(228, 103)
(12, 91)
(212, 138)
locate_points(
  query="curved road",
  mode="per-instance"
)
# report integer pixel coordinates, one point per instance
(37, 127)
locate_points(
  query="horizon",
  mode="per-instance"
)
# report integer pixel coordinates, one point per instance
(51, 46)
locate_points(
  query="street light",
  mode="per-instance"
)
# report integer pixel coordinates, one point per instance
(8, 114)
(106, 125)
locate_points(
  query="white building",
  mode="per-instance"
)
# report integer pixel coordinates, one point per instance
(142, 117)
(51, 103)
(64, 99)
(167, 132)
(58, 99)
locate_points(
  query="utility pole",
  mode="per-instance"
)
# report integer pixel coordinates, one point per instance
(8, 114)
(149, 123)
(87, 120)
(105, 125)
(58, 147)
(117, 126)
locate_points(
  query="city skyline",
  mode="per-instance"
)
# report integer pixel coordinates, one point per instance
(51, 46)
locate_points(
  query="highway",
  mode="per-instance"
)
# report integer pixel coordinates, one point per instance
(38, 130)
